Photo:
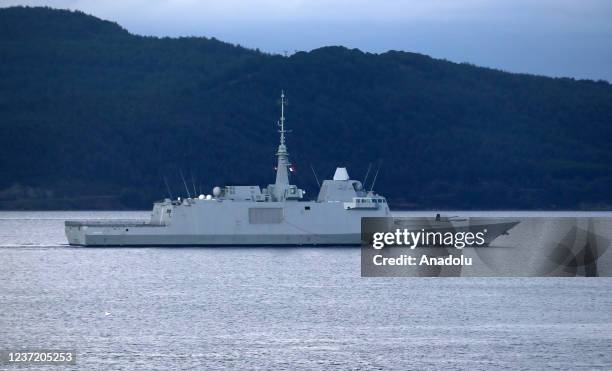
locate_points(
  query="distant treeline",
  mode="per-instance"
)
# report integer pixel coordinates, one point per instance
(89, 111)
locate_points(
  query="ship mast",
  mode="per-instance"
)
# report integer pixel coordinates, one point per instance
(282, 175)
(282, 119)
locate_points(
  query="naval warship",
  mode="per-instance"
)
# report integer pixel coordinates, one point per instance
(275, 215)
(247, 215)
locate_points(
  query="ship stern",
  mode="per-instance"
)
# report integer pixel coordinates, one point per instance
(75, 233)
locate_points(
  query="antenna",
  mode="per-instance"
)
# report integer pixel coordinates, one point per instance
(185, 183)
(195, 193)
(375, 177)
(282, 118)
(315, 175)
(168, 188)
(366, 176)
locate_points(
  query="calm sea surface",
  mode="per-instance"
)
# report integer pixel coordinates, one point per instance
(281, 308)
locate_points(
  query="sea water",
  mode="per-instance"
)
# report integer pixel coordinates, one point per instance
(281, 308)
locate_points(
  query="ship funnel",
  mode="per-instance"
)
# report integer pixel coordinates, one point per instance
(341, 174)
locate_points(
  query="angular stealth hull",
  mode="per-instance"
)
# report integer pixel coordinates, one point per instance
(230, 223)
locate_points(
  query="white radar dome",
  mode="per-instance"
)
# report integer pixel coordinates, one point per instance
(341, 174)
(217, 191)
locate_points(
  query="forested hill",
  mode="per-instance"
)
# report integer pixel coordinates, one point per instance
(92, 116)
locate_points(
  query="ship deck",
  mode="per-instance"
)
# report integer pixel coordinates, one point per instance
(111, 223)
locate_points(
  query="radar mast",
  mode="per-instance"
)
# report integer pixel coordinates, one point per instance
(282, 190)
(282, 174)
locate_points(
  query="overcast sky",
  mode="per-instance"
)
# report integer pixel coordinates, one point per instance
(551, 37)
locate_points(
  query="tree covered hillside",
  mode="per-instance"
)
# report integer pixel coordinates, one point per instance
(92, 116)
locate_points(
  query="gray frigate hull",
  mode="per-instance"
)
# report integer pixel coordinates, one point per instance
(230, 223)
